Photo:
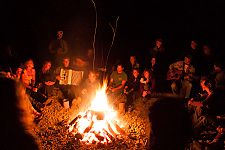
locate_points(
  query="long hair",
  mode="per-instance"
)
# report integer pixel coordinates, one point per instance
(208, 83)
(16, 118)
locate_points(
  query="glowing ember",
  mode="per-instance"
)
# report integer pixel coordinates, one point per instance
(98, 124)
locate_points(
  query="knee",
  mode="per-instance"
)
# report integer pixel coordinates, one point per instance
(173, 86)
(189, 85)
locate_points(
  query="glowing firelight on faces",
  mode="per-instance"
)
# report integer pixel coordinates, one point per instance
(91, 127)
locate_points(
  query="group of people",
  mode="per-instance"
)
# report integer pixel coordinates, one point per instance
(195, 78)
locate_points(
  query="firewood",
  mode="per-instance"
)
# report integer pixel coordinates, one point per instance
(120, 130)
(89, 127)
(74, 120)
(110, 130)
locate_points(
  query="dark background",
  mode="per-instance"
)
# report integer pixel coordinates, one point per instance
(29, 26)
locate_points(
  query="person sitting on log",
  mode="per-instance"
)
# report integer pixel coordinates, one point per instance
(66, 88)
(132, 88)
(207, 110)
(116, 86)
(46, 79)
(147, 84)
(181, 73)
(89, 87)
(28, 78)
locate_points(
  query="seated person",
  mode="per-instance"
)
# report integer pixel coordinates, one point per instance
(80, 64)
(28, 78)
(198, 103)
(181, 73)
(132, 88)
(46, 79)
(118, 79)
(29, 75)
(207, 110)
(68, 91)
(89, 87)
(116, 86)
(147, 84)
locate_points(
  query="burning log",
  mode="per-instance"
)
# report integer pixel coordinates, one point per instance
(60, 137)
(98, 130)
(99, 137)
(74, 120)
(97, 124)
(110, 130)
(88, 129)
(120, 130)
(108, 135)
(78, 136)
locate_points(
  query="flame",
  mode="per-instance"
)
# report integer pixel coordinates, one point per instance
(99, 123)
(100, 102)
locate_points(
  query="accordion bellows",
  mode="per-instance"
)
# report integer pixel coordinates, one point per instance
(70, 77)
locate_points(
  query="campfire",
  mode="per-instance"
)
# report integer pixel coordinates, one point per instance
(99, 123)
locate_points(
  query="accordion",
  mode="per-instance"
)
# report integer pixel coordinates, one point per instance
(70, 77)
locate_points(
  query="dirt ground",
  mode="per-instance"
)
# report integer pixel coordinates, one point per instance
(52, 130)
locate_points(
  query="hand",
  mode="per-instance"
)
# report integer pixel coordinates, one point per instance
(37, 114)
(102, 69)
(220, 129)
(35, 89)
(49, 83)
(125, 91)
(113, 89)
(8, 75)
(190, 101)
(145, 93)
(58, 78)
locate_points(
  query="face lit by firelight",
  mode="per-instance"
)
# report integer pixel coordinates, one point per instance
(187, 60)
(135, 73)
(92, 77)
(158, 43)
(47, 66)
(66, 62)
(146, 74)
(153, 61)
(119, 68)
(132, 59)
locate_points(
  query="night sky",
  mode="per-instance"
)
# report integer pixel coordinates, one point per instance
(29, 26)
